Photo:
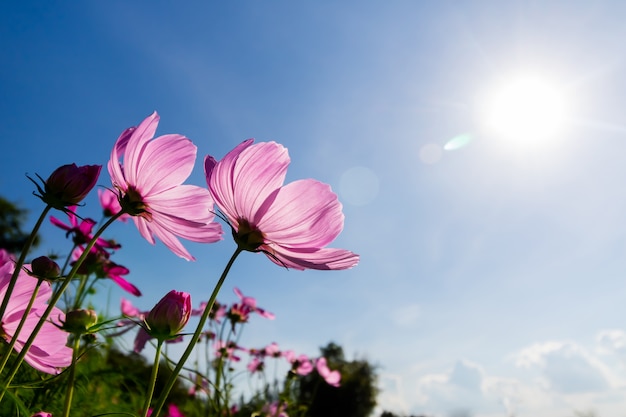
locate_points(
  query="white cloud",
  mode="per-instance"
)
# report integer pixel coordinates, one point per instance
(567, 368)
(463, 389)
(611, 341)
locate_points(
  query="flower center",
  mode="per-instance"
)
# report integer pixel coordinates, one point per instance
(247, 237)
(132, 203)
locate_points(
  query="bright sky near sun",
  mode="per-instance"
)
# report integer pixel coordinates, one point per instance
(478, 148)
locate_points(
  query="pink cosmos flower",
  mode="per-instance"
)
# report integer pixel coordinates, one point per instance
(98, 263)
(150, 187)
(256, 365)
(227, 350)
(332, 377)
(275, 410)
(301, 365)
(291, 224)
(110, 204)
(82, 232)
(42, 414)
(172, 411)
(48, 353)
(250, 304)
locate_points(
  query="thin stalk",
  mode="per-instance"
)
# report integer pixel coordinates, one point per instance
(71, 377)
(11, 345)
(196, 335)
(55, 298)
(153, 378)
(20, 261)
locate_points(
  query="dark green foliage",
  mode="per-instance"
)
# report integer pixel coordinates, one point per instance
(12, 218)
(355, 397)
(390, 414)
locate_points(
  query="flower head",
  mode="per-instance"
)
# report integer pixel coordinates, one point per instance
(82, 232)
(68, 185)
(48, 353)
(291, 224)
(331, 377)
(300, 365)
(169, 316)
(149, 183)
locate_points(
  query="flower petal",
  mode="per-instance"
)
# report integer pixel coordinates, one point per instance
(166, 162)
(243, 182)
(137, 142)
(322, 259)
(305, 214)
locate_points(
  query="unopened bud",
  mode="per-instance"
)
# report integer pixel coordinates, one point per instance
(169, 316)
(80, 321)
(45, 268)
(69, 184)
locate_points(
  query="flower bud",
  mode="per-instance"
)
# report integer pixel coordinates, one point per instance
(169, 316)
(80, 321)
(69, 184)
(45, 268)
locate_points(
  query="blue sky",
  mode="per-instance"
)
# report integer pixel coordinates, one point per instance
(491, 275)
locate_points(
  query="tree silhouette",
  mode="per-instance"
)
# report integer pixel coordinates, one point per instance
(12, 218)
(355, 397)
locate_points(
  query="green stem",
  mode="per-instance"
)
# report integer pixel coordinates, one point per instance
(11, 345)
(196, 335)
(153, 378)
(71, 377)
(20, 261)
(79, 292)
(51, 304)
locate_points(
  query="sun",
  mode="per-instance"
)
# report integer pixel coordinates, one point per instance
(527, 109)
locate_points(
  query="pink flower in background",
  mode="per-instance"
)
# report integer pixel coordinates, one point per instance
(110, 204)
(256, 365)
(81, 232)
(172, 411)
(331, 377)
(275, 410)
(42, 414)
(135, 316)
(114, 272)
(149, 182)
(299, 364)
(250, 304)
(217, 312)
(48, 353)
(227, 350)
(273, 350)
(291, 224)
(98, 263)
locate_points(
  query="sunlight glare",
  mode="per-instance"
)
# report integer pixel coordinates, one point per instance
(527, 109)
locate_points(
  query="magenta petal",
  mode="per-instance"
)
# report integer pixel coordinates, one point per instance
(140, 340)
(137, 143)
(259, 171)
(322, 259)
(305, 214)
(125, 285)
(166, 162)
